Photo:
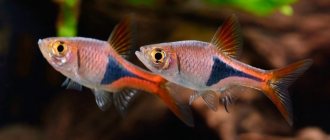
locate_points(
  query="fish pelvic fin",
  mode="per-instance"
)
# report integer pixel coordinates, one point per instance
(170, 94)
(209, 97)
(228, 38)
(277, 86)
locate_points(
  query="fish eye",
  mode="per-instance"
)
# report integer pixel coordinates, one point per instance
(59, 48)
(158, 56)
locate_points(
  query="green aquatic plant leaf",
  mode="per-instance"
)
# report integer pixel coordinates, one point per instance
(258, 7)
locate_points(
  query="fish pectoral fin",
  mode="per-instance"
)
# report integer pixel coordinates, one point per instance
(228, 38)
(103, 99)
(69, 84)
(121, 37)
(123, 99)
(209, 97)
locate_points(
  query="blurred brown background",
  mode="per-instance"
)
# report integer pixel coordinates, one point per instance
(34, 106)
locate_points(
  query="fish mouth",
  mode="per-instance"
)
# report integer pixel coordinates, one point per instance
(142, 49)
(39, 42)
(42, 43)
(142, 56)
(42, 48)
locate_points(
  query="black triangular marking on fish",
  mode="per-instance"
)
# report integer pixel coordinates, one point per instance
(221, 70)
(115, 71)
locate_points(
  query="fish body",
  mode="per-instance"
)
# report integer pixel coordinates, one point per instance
(206, 69)
(102, 67)
(211, 68)
(96, 65)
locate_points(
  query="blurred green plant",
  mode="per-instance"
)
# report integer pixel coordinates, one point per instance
(147, 3)
(259, 7)
(256, 7)
(68, 17)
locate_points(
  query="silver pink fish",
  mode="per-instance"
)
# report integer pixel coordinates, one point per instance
(210, 68)
(100, 66)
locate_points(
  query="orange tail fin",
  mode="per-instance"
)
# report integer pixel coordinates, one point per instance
(277, 86)
(175, 104)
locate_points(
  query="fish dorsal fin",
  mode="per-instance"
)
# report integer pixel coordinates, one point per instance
(228, 39)
(103, 99)
(121, 37)
(123, 99)
(69, 84)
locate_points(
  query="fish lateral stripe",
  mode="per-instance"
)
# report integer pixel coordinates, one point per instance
(115, 71)
(221, 70)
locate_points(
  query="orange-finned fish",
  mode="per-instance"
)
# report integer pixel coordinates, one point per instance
(100, 66)
(210, 68)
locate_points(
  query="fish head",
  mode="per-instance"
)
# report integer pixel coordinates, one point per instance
(159, 58)
(60, 53)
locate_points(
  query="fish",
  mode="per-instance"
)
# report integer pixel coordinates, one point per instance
(102, 67)
(212, 69)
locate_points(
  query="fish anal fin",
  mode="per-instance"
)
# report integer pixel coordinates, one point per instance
(122, 99)
(228, 39)
(69, 84)
(277, 86)
(103, 99)
(174, 101)
(121, 37)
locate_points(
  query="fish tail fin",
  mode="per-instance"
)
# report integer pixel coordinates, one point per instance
(277, 86)
(169, 95)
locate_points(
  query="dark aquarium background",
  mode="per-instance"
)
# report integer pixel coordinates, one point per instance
(34, 106)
